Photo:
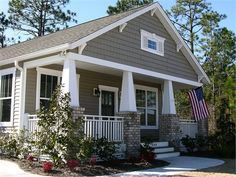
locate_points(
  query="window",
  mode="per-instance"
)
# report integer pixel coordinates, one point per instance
(152, 43)
(146, 102)
(6, 95)
(48, 84)
(47, 81)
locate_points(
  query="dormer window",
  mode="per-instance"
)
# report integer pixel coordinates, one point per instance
(150, 42)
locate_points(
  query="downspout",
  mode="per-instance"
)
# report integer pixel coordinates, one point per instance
(21, 118)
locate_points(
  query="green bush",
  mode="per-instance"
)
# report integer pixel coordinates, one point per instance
(58, 134)
(86, 149)
(104, 149)
(15, 143)
(189, 143)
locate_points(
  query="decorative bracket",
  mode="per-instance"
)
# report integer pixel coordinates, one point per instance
(81, 48)
(179, 46)
(200, 78)
(122, 27)
(63, 53)
(153, 11)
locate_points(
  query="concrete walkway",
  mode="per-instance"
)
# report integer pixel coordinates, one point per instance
(177, 165)
(11, 169)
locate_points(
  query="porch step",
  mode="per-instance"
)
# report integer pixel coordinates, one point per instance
(159, 144)
(166, 155)
(163, 150)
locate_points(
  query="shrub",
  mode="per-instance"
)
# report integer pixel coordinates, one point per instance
(47, 166)
(86, 149)
(147, 152)
(189, 143)
(58, 133)
(72, 164)
(105, 149)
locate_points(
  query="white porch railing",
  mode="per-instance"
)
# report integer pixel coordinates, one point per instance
(32, 122)
(188, 127)
(110, 127)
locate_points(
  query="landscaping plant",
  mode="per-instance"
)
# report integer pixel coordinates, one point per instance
(58, 134)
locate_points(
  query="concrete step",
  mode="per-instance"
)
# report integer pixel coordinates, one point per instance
(163, 150)
(159, 144)
(166, 155)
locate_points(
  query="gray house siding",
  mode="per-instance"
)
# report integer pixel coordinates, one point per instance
(125, 48)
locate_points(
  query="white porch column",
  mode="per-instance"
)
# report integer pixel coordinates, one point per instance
(128, 101)
(168, 106)
(70, 81)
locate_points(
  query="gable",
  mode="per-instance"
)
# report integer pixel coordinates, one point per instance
(125, 48)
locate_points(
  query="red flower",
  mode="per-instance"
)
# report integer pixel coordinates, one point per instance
(72, 164)
(47, 166)
(30, 158)
(93, 160)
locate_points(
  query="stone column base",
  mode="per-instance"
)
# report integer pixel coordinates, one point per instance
(169, 129)
(131, 133)
(77, 112)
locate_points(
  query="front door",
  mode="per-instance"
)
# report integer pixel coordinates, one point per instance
(107, 103)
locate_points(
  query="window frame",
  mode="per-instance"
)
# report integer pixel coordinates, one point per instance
(50, 72)
(146, 89)
(155, 38)
(8, 72)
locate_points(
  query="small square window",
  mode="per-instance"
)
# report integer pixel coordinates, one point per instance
(152, 43)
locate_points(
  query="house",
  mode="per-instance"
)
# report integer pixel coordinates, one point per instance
(120, 70)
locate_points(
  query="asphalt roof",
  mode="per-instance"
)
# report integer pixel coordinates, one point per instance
(64, 36)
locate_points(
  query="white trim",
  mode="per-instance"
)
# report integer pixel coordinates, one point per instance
(159, 13)
(44, 61)
(155, 38)
(111, 89)
(81, 48)
(122, 27)
(111, 26)
(153, 11)
(148, 88)
(123, 67)
(46, 71)
(6, 72)
(23, 99)
(39, 53)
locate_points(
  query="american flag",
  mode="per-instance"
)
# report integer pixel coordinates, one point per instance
(199, 107)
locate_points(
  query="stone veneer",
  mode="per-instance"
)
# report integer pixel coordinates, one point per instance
(169, 129)
(132, 137)
(77, 112)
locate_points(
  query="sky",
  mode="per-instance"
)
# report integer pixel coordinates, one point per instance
(91, 9)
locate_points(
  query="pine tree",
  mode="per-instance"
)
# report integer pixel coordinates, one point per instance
(4, 24)
(124, 5)
(39, 17)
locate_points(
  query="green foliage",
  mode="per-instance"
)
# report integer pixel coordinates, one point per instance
(4, 23)
(14, 144)
(125, 5)
(189, 143)
(58, 133)
(104, 149)
(86, 150)
(223, 140)
(37, 18)
(193, 17)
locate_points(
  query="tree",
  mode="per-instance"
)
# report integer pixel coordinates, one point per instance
(124, 5)
(191, 17)
(39, 17)
(4, 23)
(220, 58)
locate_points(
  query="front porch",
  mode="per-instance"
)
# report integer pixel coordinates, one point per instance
(122, 103)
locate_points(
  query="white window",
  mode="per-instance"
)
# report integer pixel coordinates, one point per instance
(146, 102)
(47, 81)
(152, 43)
(6, 96)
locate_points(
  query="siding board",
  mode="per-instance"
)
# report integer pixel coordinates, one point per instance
(125, 47)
